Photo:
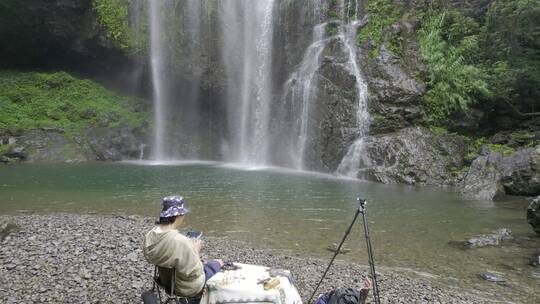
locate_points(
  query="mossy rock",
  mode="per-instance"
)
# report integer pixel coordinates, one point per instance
(533, 215)
(6, 228)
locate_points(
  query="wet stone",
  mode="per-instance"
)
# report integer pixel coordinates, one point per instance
(492, 277)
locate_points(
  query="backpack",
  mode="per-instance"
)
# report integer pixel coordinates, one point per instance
(342, 296)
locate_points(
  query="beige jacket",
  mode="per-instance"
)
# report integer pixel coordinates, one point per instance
(170, 249)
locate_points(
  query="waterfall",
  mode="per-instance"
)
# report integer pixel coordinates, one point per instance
(355, 156)
(246, 49)
(179, 129)
(263, 109)
(302, 86)
(141, 151)
(157, 71)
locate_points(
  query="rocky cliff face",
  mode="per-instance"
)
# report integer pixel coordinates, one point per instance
(65, 35)
(413, 156)
(53, 145)
(50, 33)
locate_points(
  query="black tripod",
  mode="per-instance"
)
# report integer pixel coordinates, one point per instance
(361, 209)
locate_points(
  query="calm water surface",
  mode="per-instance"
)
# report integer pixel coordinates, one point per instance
(298, 213)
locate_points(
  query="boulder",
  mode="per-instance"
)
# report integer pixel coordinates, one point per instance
(535, 259)
(533, 214)
(492, 174)
(521, 172)
(482, 182)
(16, 152)
(113, 144)
(493, 239)
(413, 156)
(492, 277)
(50, 145)
(7, 228)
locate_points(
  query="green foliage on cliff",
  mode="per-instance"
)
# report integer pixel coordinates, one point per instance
(59, 100)
(474, 147)
(4, 149)
(484, 56)
(382, 15)
(114, 16)
(511, 47)
(449, 47)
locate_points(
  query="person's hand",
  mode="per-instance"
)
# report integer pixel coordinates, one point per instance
(198, 245)
(221, 263)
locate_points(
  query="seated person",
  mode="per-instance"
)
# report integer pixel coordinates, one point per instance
(164, 246)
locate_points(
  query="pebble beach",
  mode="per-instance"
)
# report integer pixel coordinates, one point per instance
(68, 258)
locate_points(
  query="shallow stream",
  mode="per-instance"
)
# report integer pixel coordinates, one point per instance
(299, 214)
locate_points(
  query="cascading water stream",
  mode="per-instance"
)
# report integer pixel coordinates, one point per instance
(247, 55)
(356, 156)
(157, 71)
(302, 85)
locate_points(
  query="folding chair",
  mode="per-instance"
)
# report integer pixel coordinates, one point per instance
(164, 278)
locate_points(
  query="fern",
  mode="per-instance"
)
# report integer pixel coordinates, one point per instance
(453, 82)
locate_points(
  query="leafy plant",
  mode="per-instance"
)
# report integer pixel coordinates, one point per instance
(114, 16)
(58, 100)
(438, 130)
(382, 15)
(4, 149)
(453, 83)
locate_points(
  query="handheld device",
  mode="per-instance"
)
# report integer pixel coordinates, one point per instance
(194, 234)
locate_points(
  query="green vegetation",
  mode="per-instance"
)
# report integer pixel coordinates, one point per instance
(454, 83)
(4, 149)
(488, 58)
(333, 9)
(459, 170)
(382, 15)
(113, 15)
(58, 100)
(438, 130)
(476, 145)
(503, 149)
(331, 30)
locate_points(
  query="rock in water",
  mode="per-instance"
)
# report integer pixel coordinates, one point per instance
(493, 239)
(334, 248)
(483, 179)
(535, 260)
(490, 277)
(533, 214)
(413, 156)
(493, 173)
